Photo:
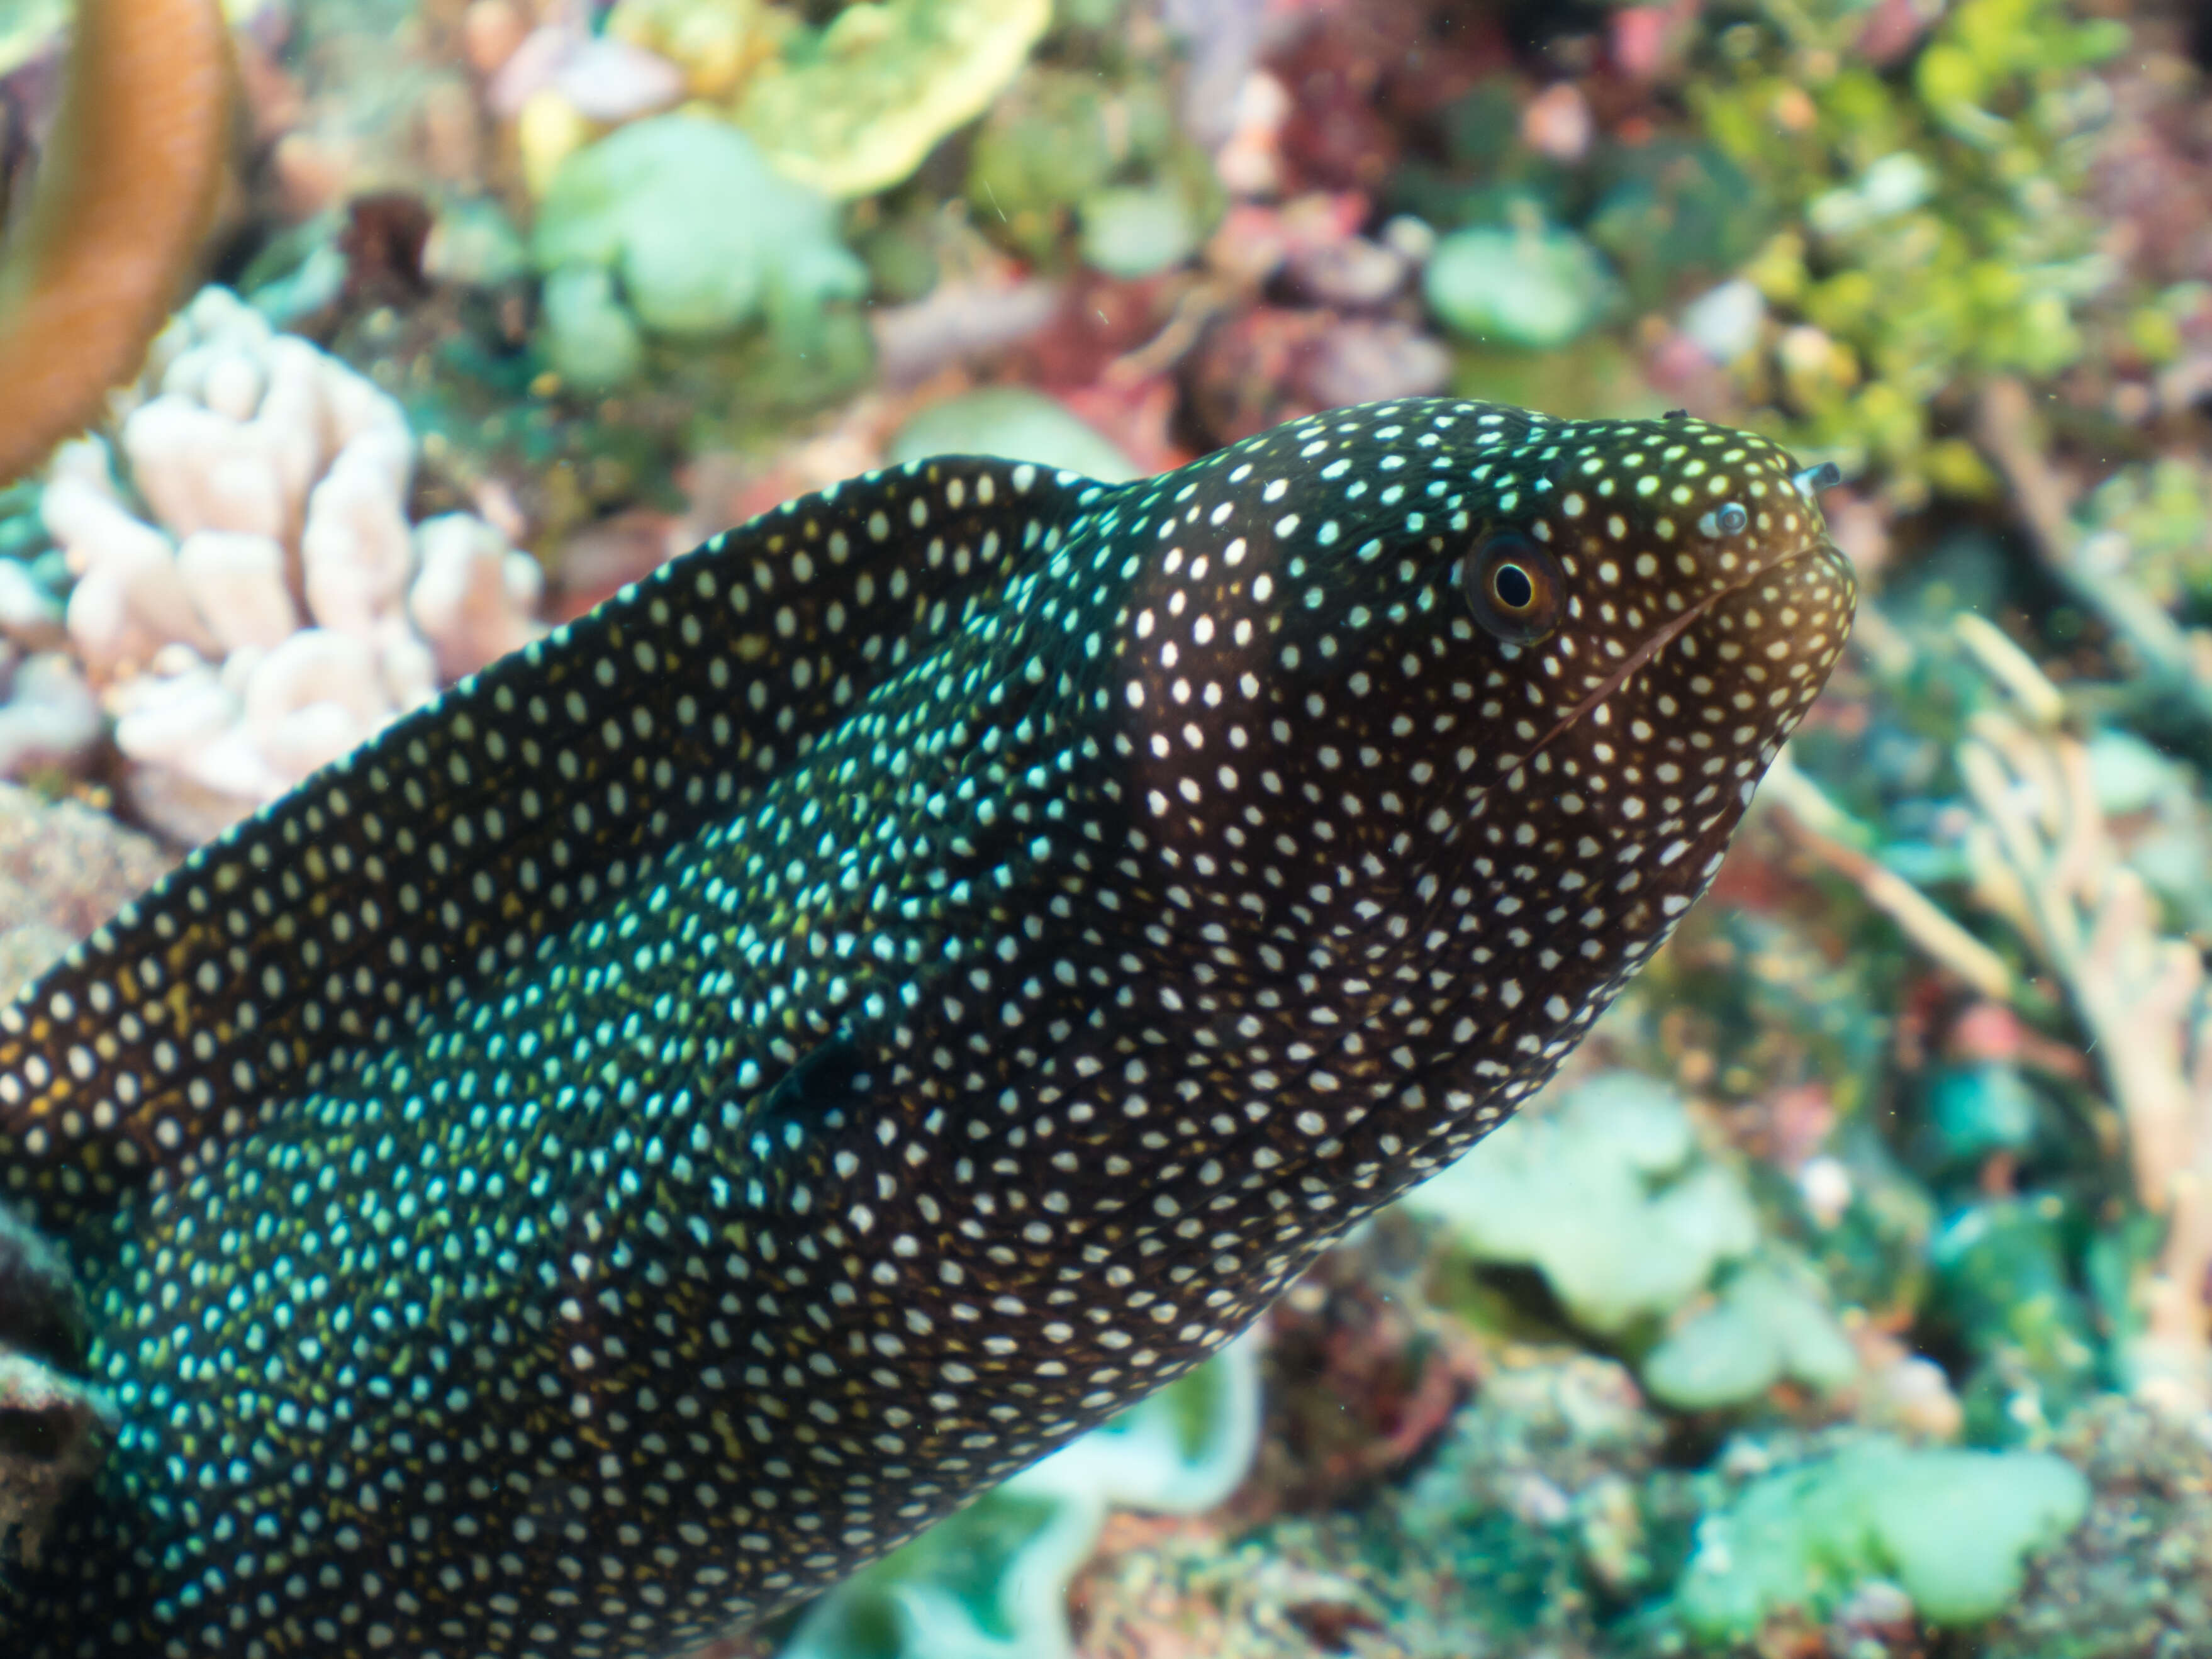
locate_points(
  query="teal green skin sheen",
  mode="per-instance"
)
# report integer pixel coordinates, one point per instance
(719, 1089)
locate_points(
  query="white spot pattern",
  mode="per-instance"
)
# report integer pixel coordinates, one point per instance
(665, 1123)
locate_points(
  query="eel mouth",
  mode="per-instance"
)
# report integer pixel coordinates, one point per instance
(1823, 550)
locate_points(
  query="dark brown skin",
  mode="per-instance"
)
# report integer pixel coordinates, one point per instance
(722, 1088)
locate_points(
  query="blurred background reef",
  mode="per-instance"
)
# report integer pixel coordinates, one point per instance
(1852, 1295)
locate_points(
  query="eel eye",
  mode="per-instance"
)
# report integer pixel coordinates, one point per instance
(1728, 519)
(1512, 586)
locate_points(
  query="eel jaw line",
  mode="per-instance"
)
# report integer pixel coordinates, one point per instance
(1666, 636)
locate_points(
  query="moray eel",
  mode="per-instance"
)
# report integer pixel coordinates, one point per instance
(696, 1104)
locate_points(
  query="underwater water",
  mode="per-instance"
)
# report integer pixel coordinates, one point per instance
(1141, 1043)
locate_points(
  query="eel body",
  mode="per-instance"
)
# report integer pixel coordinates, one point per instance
(708, 1096)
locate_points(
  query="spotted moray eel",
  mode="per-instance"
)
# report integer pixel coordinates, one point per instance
(709, 1095)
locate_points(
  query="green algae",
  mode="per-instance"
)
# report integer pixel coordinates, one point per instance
(1606, 1194)
(1539, 1518)
(1769, 1323)
(2006, 1279)
(1013, 422)
(1528, 285)
(992, 1581)
(1951, 1529)
(702, 234)
(1092, 166)
(1056, 140)
(1932, 232)
(1136, 230)
(591, 340)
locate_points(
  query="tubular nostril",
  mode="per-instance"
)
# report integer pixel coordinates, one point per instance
(1812, 480)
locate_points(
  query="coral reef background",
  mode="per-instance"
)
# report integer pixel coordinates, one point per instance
(1852, 1295)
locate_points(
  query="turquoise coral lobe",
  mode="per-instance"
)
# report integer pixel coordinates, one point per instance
(715, 1091)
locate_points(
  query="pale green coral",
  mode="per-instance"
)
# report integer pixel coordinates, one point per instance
(1530, 285)
(701, 234)
(1135, 230)
(1065, 146)
(1606, 1194)
(591, 341)
(1951, 1529)
(1049, 144)
(1770, 1323)
(1014, 422)
(992, 1581)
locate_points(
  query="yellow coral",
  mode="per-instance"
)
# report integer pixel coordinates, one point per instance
(547, 133)
(718, 44)
(882, 84)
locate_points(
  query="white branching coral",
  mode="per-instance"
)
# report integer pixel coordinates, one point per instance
(256, 602)
(2044, 856)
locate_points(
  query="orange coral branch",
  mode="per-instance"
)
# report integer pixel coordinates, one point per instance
(125, 193)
